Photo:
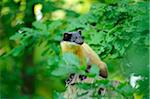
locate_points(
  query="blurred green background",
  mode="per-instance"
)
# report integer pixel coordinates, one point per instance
(31, 64)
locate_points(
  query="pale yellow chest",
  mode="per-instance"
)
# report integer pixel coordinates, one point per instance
(77, 50)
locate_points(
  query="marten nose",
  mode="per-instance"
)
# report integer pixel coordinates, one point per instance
(81, 42)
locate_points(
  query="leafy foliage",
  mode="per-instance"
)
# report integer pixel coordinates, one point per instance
(116, 29)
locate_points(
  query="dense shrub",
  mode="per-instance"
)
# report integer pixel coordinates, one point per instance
(32, 64)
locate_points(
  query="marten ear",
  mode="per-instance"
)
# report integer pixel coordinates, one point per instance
(80, 32)
(67, 36)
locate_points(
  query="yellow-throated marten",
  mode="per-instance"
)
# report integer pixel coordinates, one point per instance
(73, 42)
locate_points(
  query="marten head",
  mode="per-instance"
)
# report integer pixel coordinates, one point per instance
(74, 37)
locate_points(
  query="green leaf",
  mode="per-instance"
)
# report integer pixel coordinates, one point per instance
(60, 71)
(39, 25)
(54, 25)
(27, 30)
(85, 86)
(103, 83)
(64, 69)
(57, 95)
(94, 71)
(17, 36)
(71, 59)
(16, 51)
(125, 89)
(98, 37)
(83, 67)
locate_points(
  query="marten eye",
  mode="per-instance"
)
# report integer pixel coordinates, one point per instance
(66, 35)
